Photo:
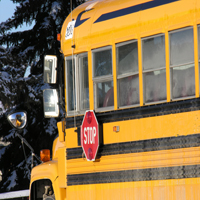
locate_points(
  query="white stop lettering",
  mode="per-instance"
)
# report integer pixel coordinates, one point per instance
(89, 135)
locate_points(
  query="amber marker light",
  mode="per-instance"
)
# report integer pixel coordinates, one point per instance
(58, 37)
(45, 155)
(116, 128)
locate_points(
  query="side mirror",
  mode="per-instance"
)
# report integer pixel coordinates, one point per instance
(18, 119)
(50, 102)
(50, 69)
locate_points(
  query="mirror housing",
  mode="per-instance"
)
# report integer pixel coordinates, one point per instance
(18, 119)
(50, 102)
(50, 69)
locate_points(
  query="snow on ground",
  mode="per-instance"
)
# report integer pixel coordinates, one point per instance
(9, 195)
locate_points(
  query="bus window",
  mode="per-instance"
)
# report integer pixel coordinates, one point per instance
(127, 73)
(182, 63)
(77, 84)
(83, 79)
(71, 84)
(154, 72)
(102, 77)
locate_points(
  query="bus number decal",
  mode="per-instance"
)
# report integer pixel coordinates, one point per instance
(70, 30)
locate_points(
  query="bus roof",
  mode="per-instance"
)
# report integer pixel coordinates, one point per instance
(99, 23)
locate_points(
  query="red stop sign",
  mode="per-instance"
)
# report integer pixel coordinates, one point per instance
(90, 135)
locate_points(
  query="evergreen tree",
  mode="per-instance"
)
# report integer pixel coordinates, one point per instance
(22, 49)
(47, 17)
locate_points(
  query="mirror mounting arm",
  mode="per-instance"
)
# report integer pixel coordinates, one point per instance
(24, 141)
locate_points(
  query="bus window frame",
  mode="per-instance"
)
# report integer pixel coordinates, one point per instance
(198, 49)
(71, 112)
(76, 84)
(126, 75)
(101, 79)
(153, 70)
(81, 111)
(179, 65)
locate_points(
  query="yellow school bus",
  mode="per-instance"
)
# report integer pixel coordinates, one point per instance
(135, 65)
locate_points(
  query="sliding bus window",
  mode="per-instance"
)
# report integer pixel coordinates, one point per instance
(103, 78)
(154, 68)
(71, 84)
(127, 73)
(77, 84)
(83, 82)
(182, 63)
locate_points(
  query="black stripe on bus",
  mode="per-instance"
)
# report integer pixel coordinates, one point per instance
(140, 146)
(133, 9)
(140, 112)
(150, 174)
